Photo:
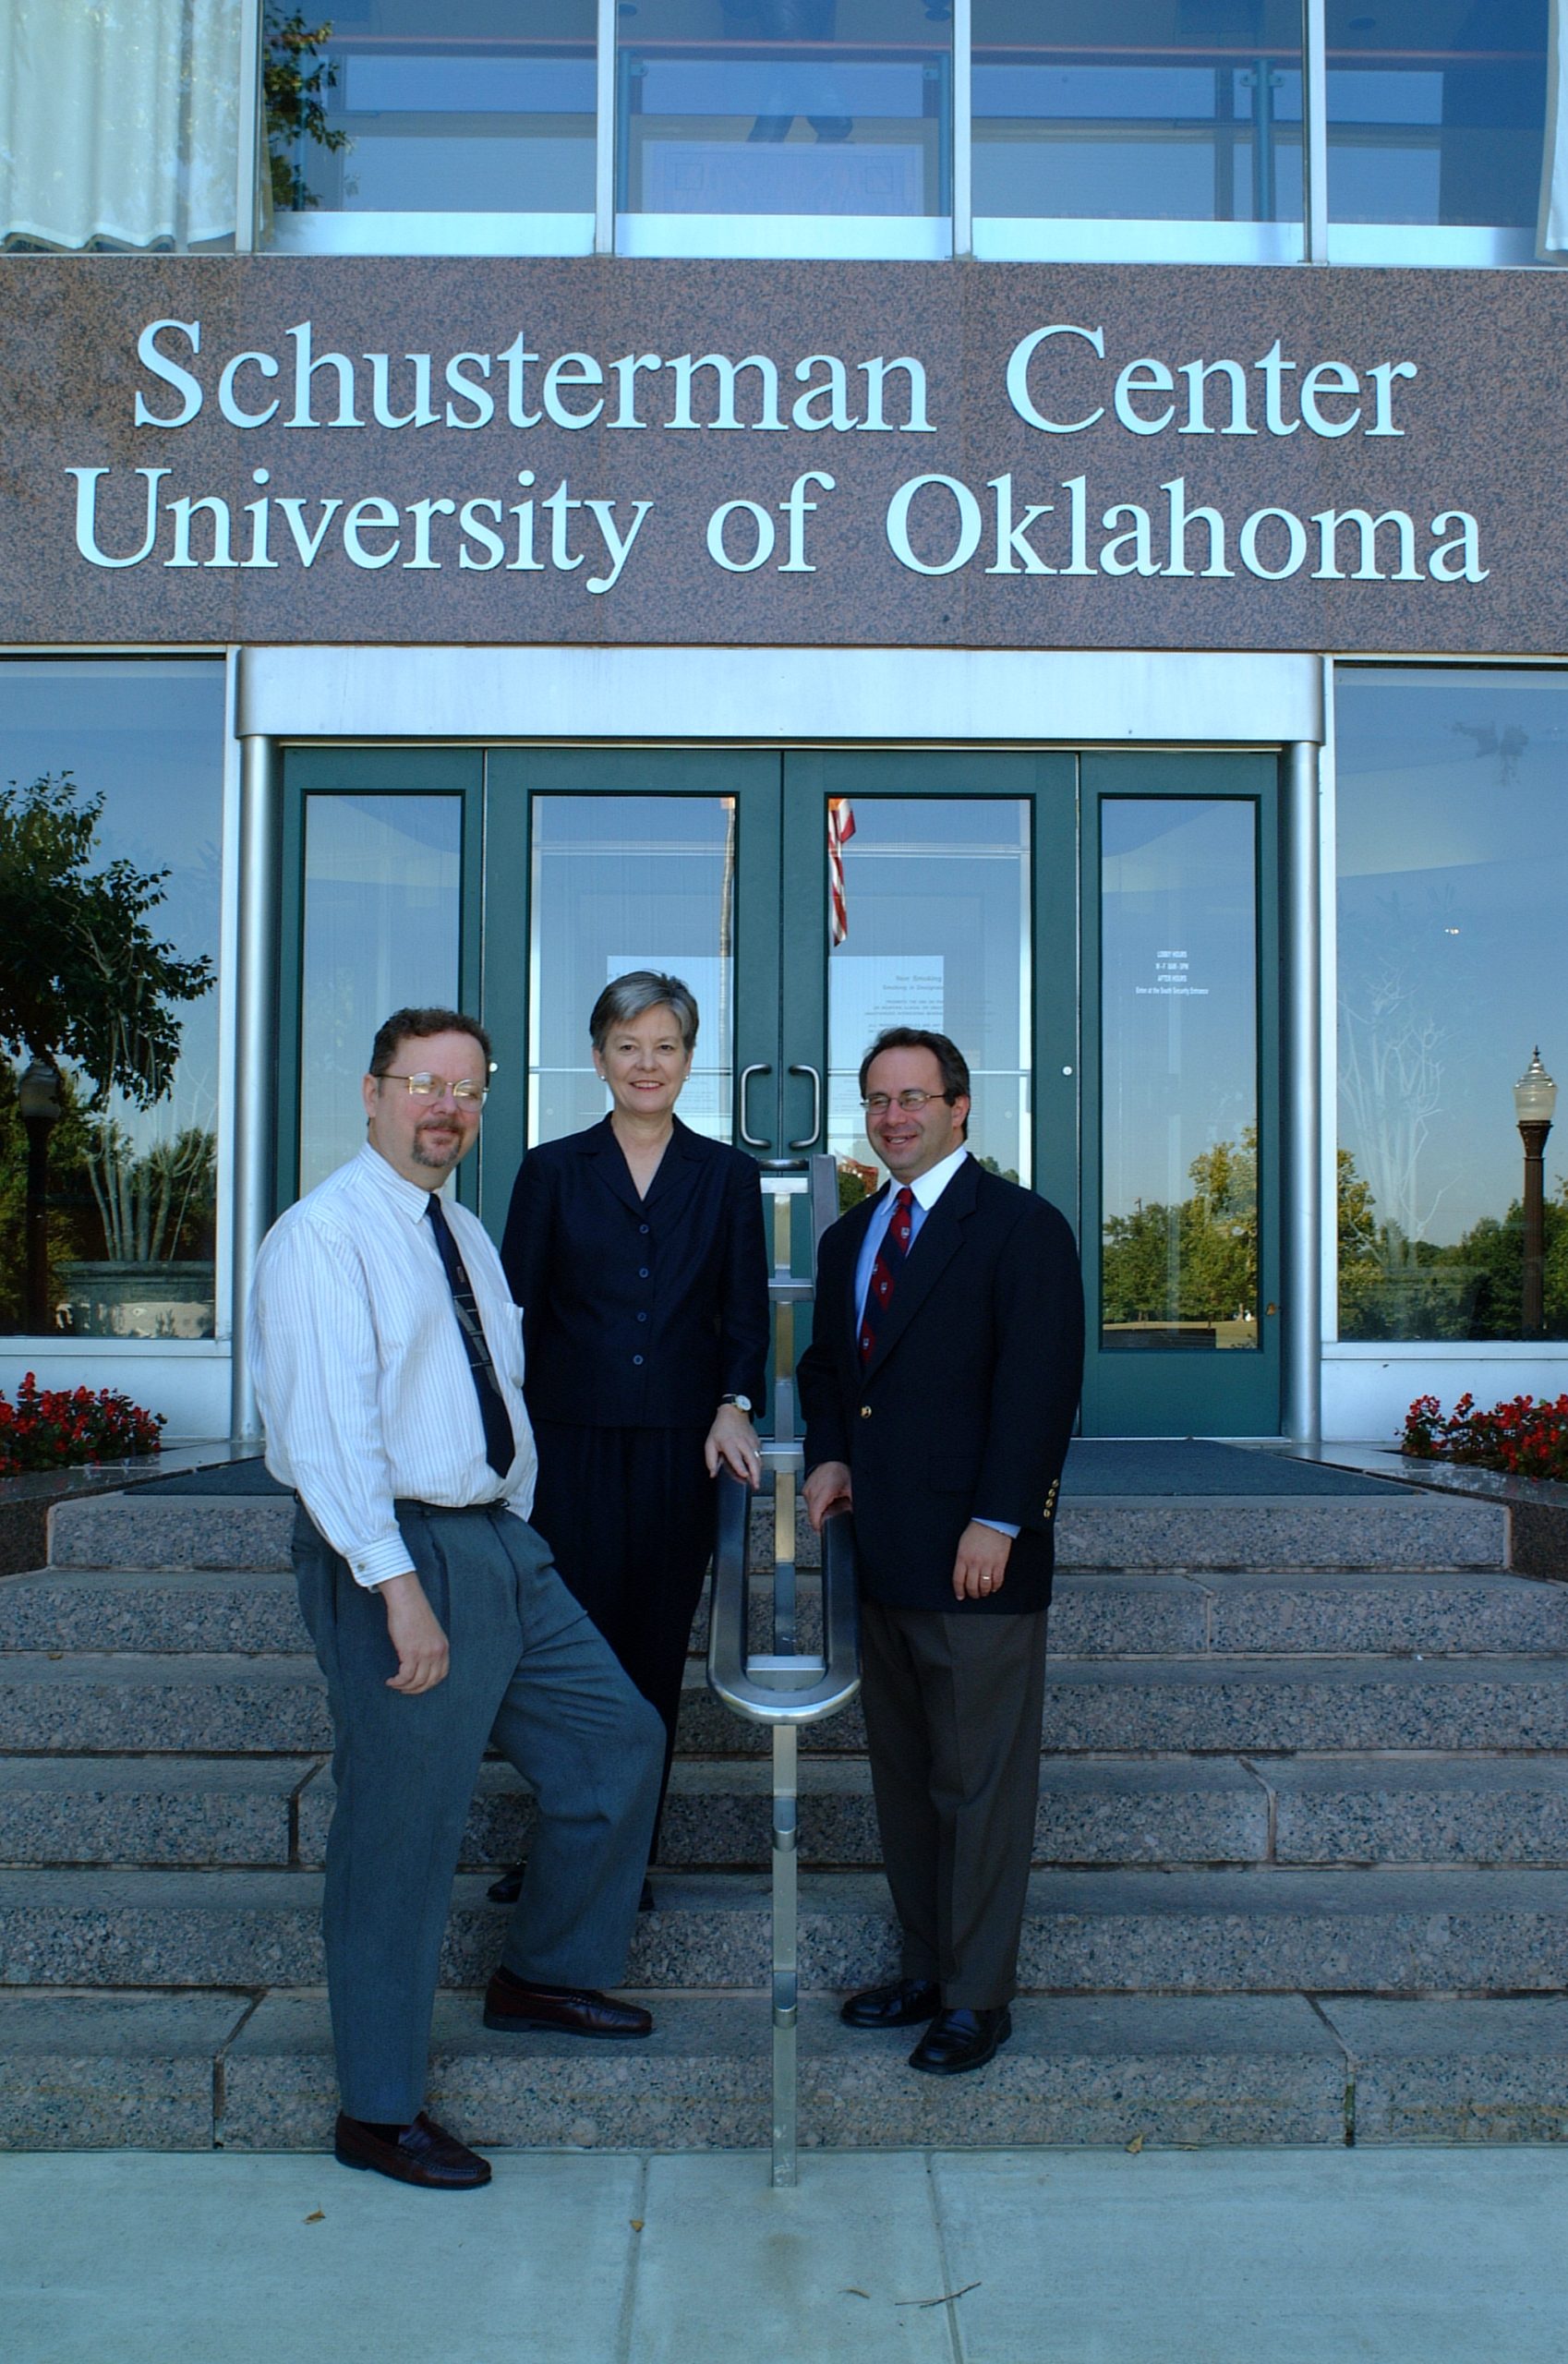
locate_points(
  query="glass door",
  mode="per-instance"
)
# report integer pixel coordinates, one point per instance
(1180, 1171)
(1097, 932)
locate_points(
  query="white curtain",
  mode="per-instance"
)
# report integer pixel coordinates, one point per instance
(1552, 235)
(118, 120)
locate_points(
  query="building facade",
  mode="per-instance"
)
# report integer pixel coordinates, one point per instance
(944, 510)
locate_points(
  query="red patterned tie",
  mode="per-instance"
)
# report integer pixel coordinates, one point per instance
(889, 1263)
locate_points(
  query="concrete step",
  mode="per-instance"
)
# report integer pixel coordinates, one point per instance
(1236, 1705)
(273, 1812)
(157, 2072)
(1411, 1530)
(120, 1702)
(1370, 1932)
(173, 1531)
(213, 1609)
(152, 1810)
(1096, 1612)
(187, 2071)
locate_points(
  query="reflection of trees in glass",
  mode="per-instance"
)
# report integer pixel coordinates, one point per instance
(1195, 1261)
(1394, 1287)
(1394, 1030)
(90, 989)
(296, 78)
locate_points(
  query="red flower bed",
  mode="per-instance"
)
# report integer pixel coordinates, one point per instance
(1522, 1437)
(55, 1427)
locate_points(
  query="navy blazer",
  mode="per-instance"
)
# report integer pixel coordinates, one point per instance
(966, 1407)
(638, 1313)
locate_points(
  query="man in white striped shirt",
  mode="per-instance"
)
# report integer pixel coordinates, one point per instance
(387, 1356)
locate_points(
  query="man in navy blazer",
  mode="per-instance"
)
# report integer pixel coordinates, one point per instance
(940, 1391)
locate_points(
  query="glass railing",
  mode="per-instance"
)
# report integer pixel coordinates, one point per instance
(1436, 130)
(478, 119)
(1137, 115)
(1029, 129)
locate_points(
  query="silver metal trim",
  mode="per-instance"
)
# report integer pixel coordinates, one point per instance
(788, 238)
(790, 1686)
(432, 234)
(757, 696)
(810, 1140)
(604, 135)
(247, 159)
(1085, 238)
(1301, 1416)
(751, 1141)
(1315, 129)
(255, 1047)
(963, 126)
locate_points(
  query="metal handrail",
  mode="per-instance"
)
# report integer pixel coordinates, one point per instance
(785, 1688)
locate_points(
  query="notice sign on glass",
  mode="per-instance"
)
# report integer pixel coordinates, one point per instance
(868, 991)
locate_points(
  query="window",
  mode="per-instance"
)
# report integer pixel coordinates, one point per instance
(1437, 111)
(1453, 860)
(794, 110)
(109, 850)
(1153, 112)
(476, 120)
(119, 126)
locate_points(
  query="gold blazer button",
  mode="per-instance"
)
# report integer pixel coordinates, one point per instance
(866, 1411)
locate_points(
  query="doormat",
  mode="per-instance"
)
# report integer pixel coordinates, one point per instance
(1096, 1466)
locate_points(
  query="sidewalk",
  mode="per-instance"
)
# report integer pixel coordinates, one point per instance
(1001, 2257)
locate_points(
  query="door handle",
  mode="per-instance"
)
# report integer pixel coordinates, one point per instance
(810, 1141)
(749, 1139)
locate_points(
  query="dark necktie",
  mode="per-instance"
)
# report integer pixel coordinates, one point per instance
(889, 1263)
(501, 1445)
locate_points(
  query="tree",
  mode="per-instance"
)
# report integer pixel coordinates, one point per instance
(295, 80)
(89, 982)
(86, 978)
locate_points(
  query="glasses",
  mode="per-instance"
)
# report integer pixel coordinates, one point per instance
(436, 1087)
(877, 1104)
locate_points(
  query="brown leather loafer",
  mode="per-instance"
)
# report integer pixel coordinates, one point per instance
(903, 2005)
(512, 2004)
(424, 2153)
(958, 2040)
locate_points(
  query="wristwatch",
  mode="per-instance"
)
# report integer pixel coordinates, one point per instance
(741, 1404)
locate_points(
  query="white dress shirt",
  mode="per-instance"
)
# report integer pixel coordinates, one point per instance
(360, 1368)
(927, 1187)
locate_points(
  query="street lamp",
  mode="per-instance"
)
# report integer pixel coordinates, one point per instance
(1534, 1097)
(38, 1100)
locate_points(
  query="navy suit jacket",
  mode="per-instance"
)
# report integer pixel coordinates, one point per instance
(638, 1312)
(966, 1407)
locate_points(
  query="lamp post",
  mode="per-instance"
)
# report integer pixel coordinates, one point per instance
(1534, 1097)
(38, 1100)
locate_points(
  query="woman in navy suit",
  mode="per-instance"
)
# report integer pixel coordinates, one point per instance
(636, 1252)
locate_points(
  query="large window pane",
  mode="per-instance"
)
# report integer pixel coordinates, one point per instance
(110, 880)
(785, 106)
(928, 922)
(119, 125)
(383, 916)
(1179, 1074)
(621, 883)
(476, 106)
(1436, 111)
(1153, 110)
(1452, 831)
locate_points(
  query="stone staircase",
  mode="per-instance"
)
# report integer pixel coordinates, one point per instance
(1302, 1857)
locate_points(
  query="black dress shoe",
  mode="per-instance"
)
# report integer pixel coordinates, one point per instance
(903, 2005)
(512, 2004)
(509, 1887)
(423, 2153)
(958, 2040)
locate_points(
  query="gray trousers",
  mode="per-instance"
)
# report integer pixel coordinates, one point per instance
(952, 1721)
(529, 1671)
